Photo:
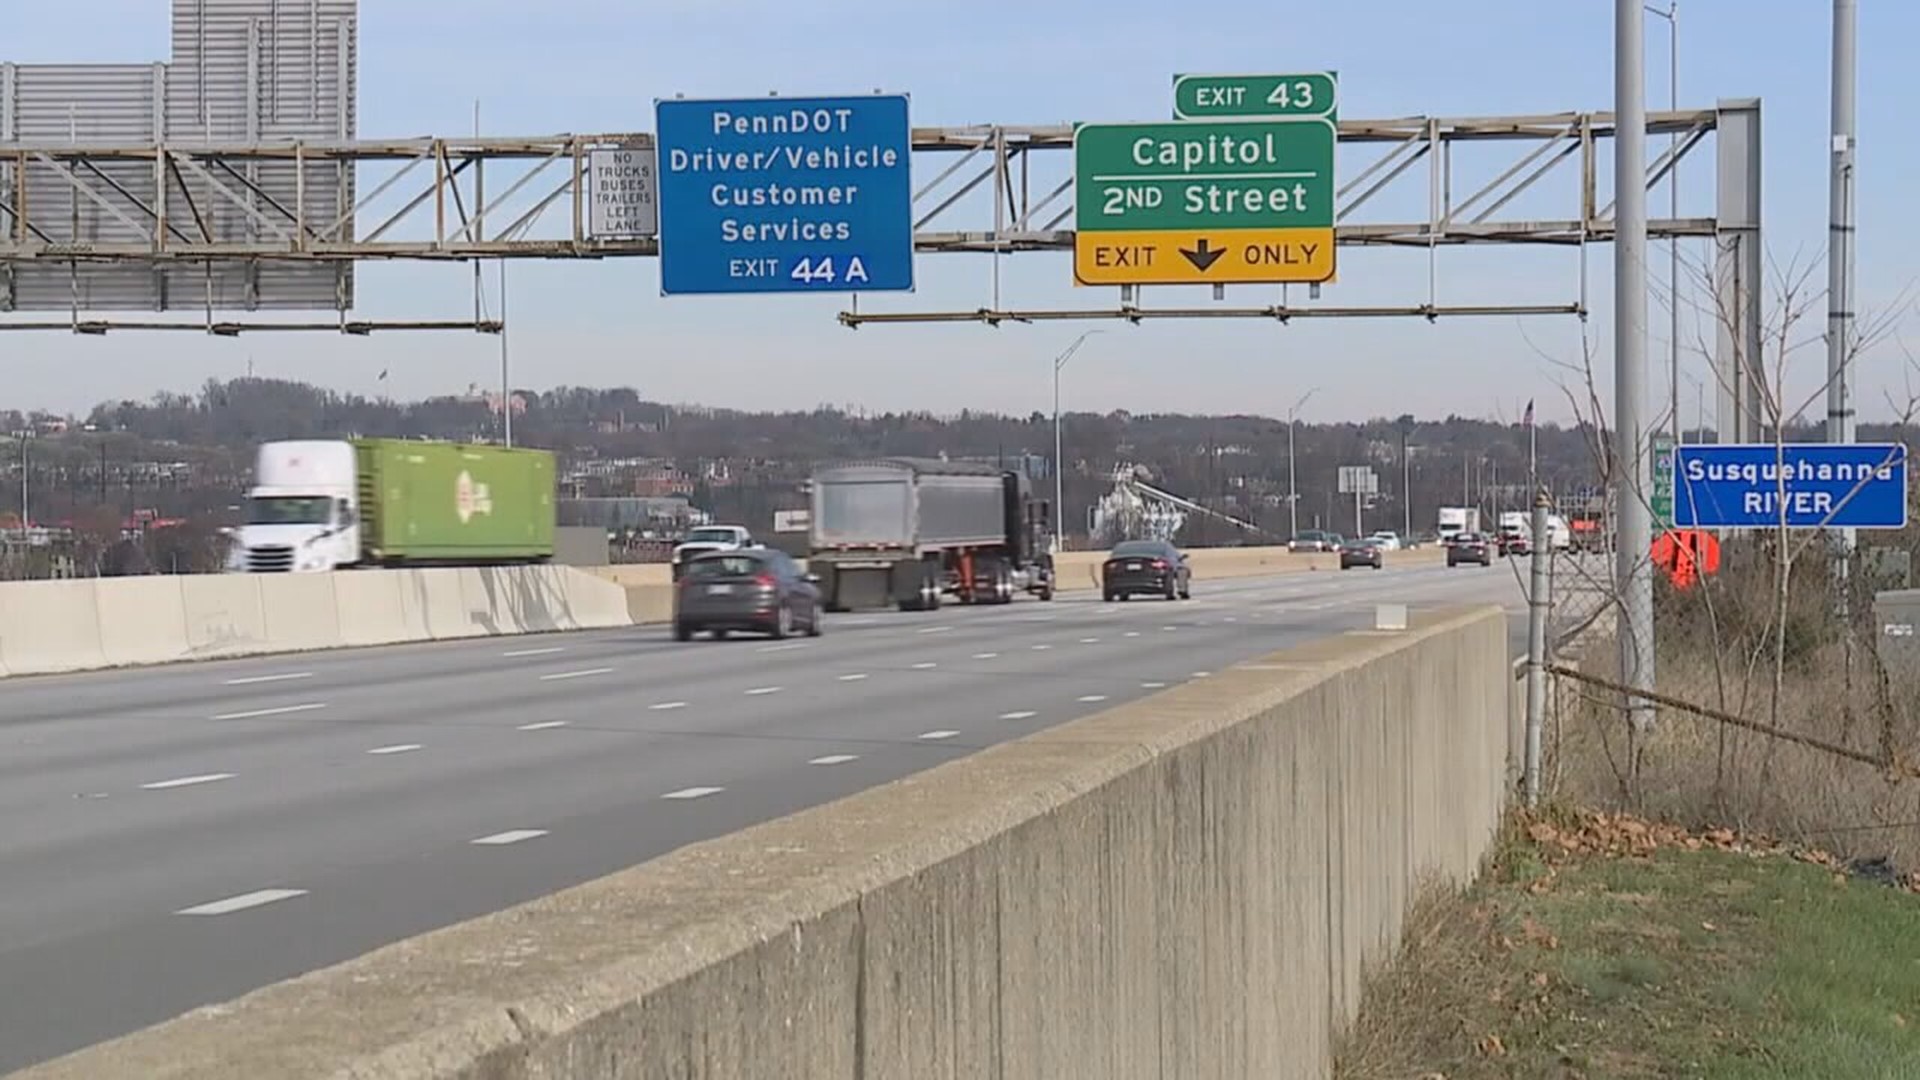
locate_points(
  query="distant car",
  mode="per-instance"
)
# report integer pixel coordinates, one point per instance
(1362, 551)
(1469, 547)
(705, 538)
(1145, 568)
(1313, 540)
(760, 590)
(1515, 542)
(1385, 540)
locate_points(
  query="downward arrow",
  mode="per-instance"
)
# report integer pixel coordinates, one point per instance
(1204, 255)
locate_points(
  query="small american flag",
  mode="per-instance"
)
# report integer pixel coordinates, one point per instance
(1528, 418)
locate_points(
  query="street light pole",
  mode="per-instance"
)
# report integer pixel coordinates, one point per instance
(1293, 490)
(1672, 15)
(1059, 469)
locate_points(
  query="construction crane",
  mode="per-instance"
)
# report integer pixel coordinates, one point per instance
(1136, 510)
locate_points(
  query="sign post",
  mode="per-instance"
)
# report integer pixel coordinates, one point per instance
(781, 195)
(1204, 202)
(1361, 481)
(1800, 485)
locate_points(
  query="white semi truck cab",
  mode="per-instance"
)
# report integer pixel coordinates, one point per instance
(302, 513)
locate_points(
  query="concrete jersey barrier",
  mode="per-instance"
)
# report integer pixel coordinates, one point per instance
(1188, 885)
(48, 627)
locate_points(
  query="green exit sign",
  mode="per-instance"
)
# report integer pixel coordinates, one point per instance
(1662, 501)
(1246, 97)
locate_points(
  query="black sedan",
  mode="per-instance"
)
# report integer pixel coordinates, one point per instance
(1361, 551)
(1145, 568)
(758, 591)
(1469, 547)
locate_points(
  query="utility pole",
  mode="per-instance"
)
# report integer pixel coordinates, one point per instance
(26, 519)
(1059, 466)
(1672, 15)
(1293, 489)
(1840, 415)
(1633, 573)
(1406, 485)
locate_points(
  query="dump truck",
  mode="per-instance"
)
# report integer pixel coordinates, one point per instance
(908, 532)
(331, 505)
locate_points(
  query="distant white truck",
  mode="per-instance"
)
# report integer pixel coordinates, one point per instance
(708, 538)
(1455, 520)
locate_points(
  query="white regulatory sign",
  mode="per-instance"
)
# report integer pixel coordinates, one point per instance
(626, 194)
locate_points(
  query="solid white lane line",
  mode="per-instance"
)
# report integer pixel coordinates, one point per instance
(834, 759)
(667, 706)
(942, 734)
(1024, 714)
(187, 781)
(759, 690)
(925, 665)
(1153, 686)
(255, 714)
(789, 647)
(1091, 698)
(511, 836)
(855, 677)
(985, 655)
(242, 902)
(548, 651)
(588, 673)
(543, 725)
(396, 748)
(934, 629)
(693, 793)
(255, 680)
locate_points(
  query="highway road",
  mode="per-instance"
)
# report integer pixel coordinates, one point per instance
(176, 836)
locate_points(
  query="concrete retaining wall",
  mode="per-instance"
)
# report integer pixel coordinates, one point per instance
(55, 626)
(1186, 886)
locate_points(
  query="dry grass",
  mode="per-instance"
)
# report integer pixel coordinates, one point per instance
(1603, 946)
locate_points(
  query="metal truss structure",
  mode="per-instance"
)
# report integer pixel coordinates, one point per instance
(997, 189)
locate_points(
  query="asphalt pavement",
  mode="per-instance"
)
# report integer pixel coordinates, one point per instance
(175, 836)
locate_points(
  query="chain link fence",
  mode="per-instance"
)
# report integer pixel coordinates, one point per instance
(1783, 703)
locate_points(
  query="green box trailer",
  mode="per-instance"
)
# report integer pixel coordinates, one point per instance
(435, 502)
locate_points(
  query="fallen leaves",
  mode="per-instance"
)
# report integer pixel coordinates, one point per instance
(1491, 1046)
(1597, 832)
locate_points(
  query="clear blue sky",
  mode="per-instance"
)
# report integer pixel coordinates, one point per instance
(579, 65)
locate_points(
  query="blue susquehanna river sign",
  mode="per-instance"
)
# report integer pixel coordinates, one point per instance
(778, 195)
(1813, 485)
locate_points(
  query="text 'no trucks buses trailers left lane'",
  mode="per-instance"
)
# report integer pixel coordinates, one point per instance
(766, 195)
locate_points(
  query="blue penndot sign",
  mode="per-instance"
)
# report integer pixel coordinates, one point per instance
(784, 195)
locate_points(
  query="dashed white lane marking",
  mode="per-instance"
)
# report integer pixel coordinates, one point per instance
(789, 647)
(1089, 641)
(1153, 686)
(587, 673)
(985, 655)
(760, 690)
(548, 651)
(834, 759)
(1229, 619)
(1133, 633)
(854, 677)
(1024, 714)
(1202, 674)
(543, 725)
(934, 629)
(693, 793)
(188, 781)
(667, 706)
(255, 680)
(1091, 698)
(1041, 648)
(242, 902)
(925, 665)
(941, 734)
(255, 714)
(1168, 629)
(511, 836)
(396, 748)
